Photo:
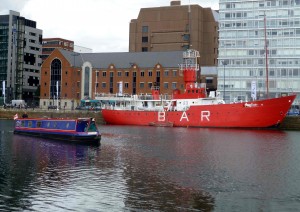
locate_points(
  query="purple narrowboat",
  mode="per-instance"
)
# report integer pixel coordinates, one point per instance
(79, 130)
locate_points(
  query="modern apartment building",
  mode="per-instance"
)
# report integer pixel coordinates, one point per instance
(259, 48)
(176, 28)
(20, 57)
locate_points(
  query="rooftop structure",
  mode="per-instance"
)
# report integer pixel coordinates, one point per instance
(176, 28)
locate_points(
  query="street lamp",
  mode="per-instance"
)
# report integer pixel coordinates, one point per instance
(224, 62)
(74, 54)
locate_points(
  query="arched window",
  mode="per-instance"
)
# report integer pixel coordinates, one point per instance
(86, 81)
(55, 79)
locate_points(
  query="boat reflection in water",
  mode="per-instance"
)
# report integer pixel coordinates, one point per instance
(112, 178)
(152, 169)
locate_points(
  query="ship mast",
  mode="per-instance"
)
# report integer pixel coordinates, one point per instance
(189, 23)
(266, 53)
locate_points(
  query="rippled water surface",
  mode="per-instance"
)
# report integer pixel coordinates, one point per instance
(152, 169)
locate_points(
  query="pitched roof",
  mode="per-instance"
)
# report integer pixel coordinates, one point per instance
(169, 59)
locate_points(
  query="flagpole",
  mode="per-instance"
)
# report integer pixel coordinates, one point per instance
(266, 52)
(3, 90)
(57, 94)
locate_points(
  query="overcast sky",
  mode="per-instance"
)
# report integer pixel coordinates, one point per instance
(102, 25)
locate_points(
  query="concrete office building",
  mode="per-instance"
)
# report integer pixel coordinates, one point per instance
(49, 44)
(82, 49)
(176, 28)
(247, 29)
(20, 56)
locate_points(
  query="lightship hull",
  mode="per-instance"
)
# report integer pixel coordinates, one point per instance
(254, 114)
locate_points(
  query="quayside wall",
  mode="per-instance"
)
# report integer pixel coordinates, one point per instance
(37, 113)
(290, 123)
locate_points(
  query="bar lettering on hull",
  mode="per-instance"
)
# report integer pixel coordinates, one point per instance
(205, 115)
(161, 116)
(184, 116)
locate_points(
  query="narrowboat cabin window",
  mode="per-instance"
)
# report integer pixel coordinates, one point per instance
(81, 126)
(29, 123)
(38, 124)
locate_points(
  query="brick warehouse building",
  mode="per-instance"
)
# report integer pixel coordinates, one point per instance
(86, 75)
(176, 28)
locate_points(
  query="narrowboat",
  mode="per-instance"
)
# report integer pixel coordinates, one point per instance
(79, 130)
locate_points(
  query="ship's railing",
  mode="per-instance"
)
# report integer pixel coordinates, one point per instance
(112, 95)
(127, 97)
(155, 88)
(196, 85)
(190, 62)
(191, 53)
(150, 97)
(188, 66)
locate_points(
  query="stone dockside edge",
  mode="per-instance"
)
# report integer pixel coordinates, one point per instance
(37, 113)
(289, 123)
